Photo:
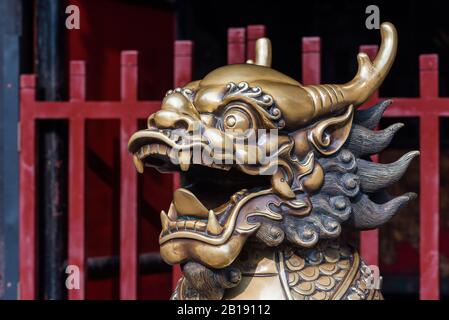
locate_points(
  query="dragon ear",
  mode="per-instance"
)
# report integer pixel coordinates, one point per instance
(329, 135)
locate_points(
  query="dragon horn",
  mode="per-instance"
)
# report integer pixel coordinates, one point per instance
(332, 97)
(263, 53)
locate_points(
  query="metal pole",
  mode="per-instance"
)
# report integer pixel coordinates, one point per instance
(9, 104)
(14, 31)
(52, 155)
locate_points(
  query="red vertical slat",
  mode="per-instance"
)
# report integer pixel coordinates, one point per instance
(77, 80)
(253, 32)
(236, 45)
(128, 183)
(369, 240)
(77, 250)
(369, 246)
(429, 191)
(183, 62)
(182, 75)
(428, 66)
(128, 78)
(27, 238)
(311, 60)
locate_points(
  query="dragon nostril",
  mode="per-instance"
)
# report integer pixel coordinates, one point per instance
(166, 119)
(182, 124)
(151, 123)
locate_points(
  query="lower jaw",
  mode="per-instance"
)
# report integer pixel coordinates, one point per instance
(220, 256)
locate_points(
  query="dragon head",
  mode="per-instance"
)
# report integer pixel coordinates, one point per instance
(265, 158)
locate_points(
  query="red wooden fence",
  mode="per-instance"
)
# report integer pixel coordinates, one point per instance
(428, 108)
(77, 111)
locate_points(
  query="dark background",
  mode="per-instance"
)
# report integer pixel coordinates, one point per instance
(423, 27)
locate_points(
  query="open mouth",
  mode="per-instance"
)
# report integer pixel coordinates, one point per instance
(202, 207)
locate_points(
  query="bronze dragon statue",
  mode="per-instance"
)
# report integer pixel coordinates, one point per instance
(263, 220)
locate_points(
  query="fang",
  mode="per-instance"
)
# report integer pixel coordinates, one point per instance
(213, 226)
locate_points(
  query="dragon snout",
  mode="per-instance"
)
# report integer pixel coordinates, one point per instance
(164, 119)
(177, 112)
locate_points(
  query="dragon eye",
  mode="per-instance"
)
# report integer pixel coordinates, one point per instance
(237, 120)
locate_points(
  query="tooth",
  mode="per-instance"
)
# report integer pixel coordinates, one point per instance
(138, 163)
(184, 160)
(190, 224)
(187, 204)
(172, 215)
(181, 224)
(200, 226)
(141, 153)
(153, 148)
(172, 154)
(162, 149)
(184, 166)
(164, 220)
(213, 226)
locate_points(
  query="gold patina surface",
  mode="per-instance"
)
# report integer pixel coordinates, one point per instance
(264, 220)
